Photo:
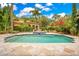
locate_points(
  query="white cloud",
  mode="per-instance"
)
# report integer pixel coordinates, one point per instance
(49, 16)
(3, 5)
(9, 4)
(42, 7)
(25, 12)
(49, 4)
(20, 14)
(39, 6)
(24, 3)
(39, 11)
(46, 9)
(27, 9)
(62, 14)
(14, 7)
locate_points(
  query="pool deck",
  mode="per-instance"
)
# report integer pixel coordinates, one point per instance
(38, 49)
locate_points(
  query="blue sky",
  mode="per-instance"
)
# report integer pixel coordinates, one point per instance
(47, 9)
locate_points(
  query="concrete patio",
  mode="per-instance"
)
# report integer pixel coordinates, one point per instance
(38, 49)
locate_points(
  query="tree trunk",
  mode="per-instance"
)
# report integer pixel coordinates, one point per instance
(5, 28)
(11, 16)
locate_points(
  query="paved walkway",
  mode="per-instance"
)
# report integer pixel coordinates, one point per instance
(22, 49)
(38, 49)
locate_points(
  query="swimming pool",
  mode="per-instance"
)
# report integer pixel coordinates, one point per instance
(45, 38)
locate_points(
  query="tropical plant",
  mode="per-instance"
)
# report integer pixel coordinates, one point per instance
(74, 11)
(1, 21)
(35, 13)
(5, 18)
(11, 15)
(23, 28)
(43, 21)
(74, 18)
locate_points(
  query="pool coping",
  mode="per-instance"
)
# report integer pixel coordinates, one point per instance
(3, 36)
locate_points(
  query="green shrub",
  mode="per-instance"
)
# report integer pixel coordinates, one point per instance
(23, 28)
(73, 31)
(59, 28)
(50, 28)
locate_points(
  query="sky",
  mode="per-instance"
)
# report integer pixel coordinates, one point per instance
(47, 9)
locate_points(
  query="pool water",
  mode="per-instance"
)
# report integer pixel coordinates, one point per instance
(32, 38)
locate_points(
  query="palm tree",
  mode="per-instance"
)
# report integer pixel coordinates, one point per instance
(11, 16)
(74, 18)
(0, 13)
(77, 22)
(5, 17)
(1, 20)
(74, 11)
(36, 13)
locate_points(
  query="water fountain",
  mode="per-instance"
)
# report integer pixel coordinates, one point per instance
(38, 30)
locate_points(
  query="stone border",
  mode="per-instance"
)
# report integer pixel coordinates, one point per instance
(76, 38)
(3, 36)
